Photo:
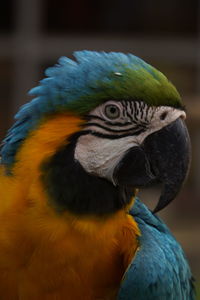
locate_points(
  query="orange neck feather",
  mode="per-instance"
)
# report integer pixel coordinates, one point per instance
(44, 141)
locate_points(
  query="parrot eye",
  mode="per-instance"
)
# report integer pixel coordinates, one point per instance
(112, 111)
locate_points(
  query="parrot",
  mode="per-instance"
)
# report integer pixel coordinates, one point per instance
(99, 127)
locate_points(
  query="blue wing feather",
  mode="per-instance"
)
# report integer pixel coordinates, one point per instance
(159, 269)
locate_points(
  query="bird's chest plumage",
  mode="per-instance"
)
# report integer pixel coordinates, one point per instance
(54, 260)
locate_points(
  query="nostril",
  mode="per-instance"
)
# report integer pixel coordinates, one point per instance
(163, 115)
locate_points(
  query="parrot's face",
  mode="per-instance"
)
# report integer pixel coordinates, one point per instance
(133, 145)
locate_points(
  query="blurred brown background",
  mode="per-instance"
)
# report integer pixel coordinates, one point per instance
(35, 33)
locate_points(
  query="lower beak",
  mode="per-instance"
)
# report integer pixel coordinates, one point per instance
(163, 157)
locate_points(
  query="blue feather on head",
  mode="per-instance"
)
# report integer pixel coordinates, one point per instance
(79, 86)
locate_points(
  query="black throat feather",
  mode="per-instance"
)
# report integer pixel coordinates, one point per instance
(71, 188)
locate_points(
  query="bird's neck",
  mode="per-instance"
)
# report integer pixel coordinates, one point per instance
(71, 188)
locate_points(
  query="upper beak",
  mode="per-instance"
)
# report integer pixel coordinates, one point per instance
(168, 151)
(163, 157)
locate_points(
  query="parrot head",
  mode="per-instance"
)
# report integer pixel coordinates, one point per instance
(132, 132)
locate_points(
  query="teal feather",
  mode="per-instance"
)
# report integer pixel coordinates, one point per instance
(159, 271)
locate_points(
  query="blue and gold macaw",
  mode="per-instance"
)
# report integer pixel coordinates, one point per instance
(71, 226)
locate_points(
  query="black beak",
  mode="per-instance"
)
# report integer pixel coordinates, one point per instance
(163, 157)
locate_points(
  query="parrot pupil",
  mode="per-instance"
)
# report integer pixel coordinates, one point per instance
(112, 110)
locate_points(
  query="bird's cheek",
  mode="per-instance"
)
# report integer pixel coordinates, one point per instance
(99, 156)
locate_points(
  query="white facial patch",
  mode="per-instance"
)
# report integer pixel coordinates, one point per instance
(100, 156)
(100, 150)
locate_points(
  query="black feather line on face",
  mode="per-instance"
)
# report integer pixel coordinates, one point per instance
(128, 130)
(71, 188)
(114, 136)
